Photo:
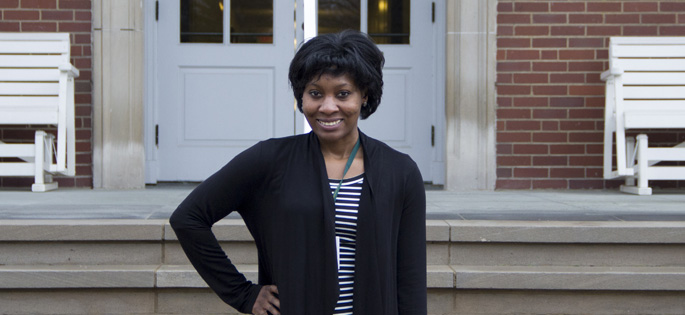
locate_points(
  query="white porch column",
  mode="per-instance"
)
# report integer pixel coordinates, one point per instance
(470, 94)
(118, 151)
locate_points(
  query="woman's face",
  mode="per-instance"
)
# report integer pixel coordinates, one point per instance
(331, 105)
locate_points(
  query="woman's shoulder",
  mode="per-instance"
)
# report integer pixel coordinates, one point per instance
(379, 150)
(261, 156)
(392, 165)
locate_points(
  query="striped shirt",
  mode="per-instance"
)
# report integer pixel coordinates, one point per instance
(346, 208)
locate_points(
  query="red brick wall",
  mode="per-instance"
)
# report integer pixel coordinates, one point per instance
(74, 17)
(550, 96)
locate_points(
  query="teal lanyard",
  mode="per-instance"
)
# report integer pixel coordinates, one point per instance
(347, 167)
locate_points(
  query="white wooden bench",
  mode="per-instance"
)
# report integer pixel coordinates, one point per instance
(37, 88)
(645, 89)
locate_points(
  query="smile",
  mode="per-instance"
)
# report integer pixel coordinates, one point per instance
(330, 123)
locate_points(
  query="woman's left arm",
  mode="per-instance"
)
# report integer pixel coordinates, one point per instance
(411, 252)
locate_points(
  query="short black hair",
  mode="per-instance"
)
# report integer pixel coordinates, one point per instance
(347, 52)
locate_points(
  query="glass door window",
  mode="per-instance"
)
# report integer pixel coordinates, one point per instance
(387, 20)
(251, 21)
(338, 15)
(202, 21)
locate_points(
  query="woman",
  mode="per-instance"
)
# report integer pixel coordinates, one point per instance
(365, 253)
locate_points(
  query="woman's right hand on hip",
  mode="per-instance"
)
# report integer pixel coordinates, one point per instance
(267, 301)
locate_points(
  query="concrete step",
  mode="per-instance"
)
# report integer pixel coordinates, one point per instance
(562, 243)
(441, 302)
(439, 277)
(106, 276)
(109, 242)
(451, 242)
(168, 289)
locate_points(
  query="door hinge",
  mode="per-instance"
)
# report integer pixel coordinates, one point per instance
(432, 136)
(157, 135)
(433, 12)
(156, 10)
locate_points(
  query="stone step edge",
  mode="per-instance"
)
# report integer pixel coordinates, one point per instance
(439, 276)
(631, 232)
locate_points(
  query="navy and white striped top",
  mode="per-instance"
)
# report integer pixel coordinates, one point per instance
(346, 208)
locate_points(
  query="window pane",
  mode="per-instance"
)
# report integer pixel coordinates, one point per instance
(252, 21)
(338, 15)
(389, 21)
(202, 21)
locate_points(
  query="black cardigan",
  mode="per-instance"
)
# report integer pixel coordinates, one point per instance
(280, 188)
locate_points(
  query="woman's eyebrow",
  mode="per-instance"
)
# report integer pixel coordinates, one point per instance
(337, 86)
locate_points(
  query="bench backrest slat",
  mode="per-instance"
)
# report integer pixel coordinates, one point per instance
(654, 78)
(25, 116)
(651, 50)
(654, 92)
(22, 75)
(26, 101)
(31, 88)
(659, 106)
(34, 47)
(33, 61)
(35, 43)
(646, 120)
(649, 64)
(32, 37)
(646, 40)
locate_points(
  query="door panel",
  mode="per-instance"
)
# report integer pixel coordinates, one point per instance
(403, 31)
(209, 93)
(222, 82)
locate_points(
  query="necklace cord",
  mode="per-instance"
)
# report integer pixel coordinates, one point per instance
(347, 167)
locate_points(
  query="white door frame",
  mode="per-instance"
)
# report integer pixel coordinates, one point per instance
(150, 92)
(439, 82)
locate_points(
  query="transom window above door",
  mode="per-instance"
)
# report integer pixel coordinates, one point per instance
(251, 21)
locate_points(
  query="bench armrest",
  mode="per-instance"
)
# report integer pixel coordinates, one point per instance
(611, 72)
(69, 69)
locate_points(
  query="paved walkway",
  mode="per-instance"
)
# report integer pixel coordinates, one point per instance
(158, 202)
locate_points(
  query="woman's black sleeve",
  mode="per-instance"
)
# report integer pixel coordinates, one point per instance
(411, 252)
(229, 189)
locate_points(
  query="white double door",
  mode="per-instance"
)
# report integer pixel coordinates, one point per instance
(221, 89)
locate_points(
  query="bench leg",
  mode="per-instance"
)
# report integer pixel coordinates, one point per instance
(630, 161)
(643, 165)
(642, 172)
(42, 159)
